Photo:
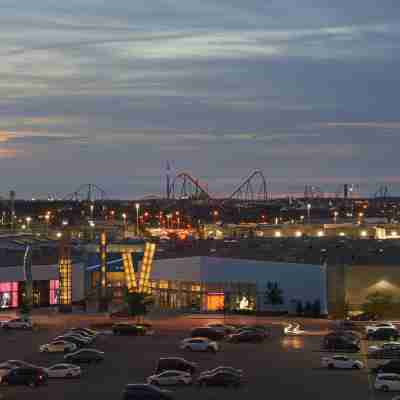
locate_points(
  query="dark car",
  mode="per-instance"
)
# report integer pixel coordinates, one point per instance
(73, 339)
(129, 329)
(208, 333)
(348, 335)
(364, 317)
(25, 376)
(338, 343)
(383, 334)
(246, 337)
(392, 366)
(85, 356)
(347, 325)
(175, 364)
(223, 378)
(145, 392)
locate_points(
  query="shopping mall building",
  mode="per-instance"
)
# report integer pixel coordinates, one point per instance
(212, 276)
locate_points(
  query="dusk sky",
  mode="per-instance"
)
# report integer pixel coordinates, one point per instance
(105, 92)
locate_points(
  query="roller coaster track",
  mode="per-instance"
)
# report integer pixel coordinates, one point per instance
(253, 188)
(185, 186)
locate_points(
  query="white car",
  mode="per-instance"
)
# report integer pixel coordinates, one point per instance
(64, 371)
(387, 382)
(375, 327)
(17, 323)
(58, 346)
(342, 362)
(199, 344)
(170, 378)
(293, 329)
(386, 346)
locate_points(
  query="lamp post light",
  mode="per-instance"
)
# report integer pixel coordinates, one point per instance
(169, 216)
(335, 215)
(91, 211)
(137, 206)
(308, 212)
(28, 221)
(178, 220)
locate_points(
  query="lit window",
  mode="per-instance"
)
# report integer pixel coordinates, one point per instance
(298, 234)
(278, 234)
(320, 233)
(364, 233)
(393, 233)
(342, 234)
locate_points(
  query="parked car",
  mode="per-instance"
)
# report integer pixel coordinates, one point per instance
(373, 328)
(145, 392)
(58, 346)
(81, 332)
(222, 378)
(223, 328)
(387, 382)
(340, 344)
(246, 337)
(208, 333)
(364, 317)
(85, 356)
(223, 369)
(170, 378)
(175, 364)
(25, 376)
(391, 366)
(18, 323)
(386, 350)
(342, 362)
(349, 335)
(199, 344)
(128, 329)
(73, 339)
(383, 334)
(64, 371)
(21, 363)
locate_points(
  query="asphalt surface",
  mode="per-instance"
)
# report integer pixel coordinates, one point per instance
(281, 367)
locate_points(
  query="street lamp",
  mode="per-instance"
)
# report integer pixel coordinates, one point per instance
(137, 206)
(335, 215)
(308, 212)
(28, 221)
(124, 218)
(169, 216)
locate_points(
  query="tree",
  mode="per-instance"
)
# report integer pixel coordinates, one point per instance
(273, 294)
(138, 303)
(299, 307)
(378, 303)
(316, 308)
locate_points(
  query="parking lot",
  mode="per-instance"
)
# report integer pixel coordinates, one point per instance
(282, 367)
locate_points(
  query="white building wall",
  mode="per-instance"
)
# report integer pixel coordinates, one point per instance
(298, 281)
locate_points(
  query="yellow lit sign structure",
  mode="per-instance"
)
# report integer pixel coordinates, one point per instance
(65, 273)
(130, 276)
(147, 263)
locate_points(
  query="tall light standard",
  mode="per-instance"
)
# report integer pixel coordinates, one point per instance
(169, 216)
(335, 215)
(137, 206)
(178, 219)
(124, 218)
(308, 212)
(28, 221)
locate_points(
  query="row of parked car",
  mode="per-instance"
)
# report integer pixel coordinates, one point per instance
(73, 342)
(172, 371)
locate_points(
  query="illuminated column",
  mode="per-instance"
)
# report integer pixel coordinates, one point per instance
(147, 263)
(65, 273)
(103, 264)
(130, 276)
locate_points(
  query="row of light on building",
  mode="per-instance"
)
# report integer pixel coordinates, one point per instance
(321, 233)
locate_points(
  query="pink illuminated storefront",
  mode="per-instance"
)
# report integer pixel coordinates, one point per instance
(45, 293)
(9, 294)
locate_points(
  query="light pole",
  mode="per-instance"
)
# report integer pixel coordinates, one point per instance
(308, 212)
(137, 206)
(47, 219)
(124, 218)
(335, 215)
(178, 219)
(28, 222)
(169, 216)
